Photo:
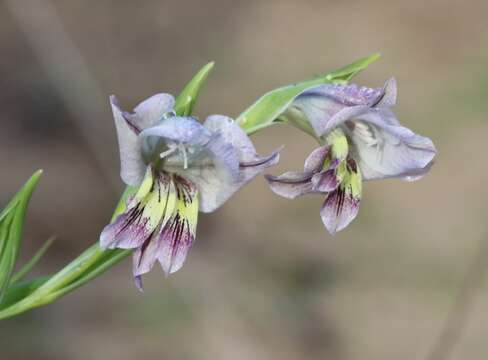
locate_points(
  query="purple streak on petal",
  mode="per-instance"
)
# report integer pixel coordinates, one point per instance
(135, 226)
(315, 161)
(127, 231)
(339, 209)
(325, 181)
(176, 240)
(178, 234)
(145, 256)
(170, 243)
(291, 184)
(132, 166)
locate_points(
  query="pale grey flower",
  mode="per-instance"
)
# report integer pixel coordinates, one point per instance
(180, 167)
(361, 140)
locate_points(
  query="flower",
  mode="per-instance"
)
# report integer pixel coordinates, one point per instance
(361, 140)
(180, 167)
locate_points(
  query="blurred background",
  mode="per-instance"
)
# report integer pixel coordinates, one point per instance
(264, 279)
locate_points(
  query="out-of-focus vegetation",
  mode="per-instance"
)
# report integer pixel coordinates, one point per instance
(264, 279)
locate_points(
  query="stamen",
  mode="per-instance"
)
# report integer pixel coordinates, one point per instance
(185, 155)
(170, 151)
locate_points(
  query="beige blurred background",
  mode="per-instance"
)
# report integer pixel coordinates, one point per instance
(264, 279)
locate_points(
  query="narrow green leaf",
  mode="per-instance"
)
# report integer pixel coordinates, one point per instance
(19, 275)
(349, 71)
(11, 227)
(188, 96)
(267, 109)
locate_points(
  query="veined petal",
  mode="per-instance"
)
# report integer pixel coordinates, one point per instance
(178, 235)
(325, 181)
(132, 167)
(175, 235)
(342, 205)
(315, 162)
(339, 209)
(291, 184)
(142, 216)
(147, 252)
(384, 150)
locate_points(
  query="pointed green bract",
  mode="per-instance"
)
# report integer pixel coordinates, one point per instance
(11, 227)
(188, 96)
(268, 108)
(347, 72)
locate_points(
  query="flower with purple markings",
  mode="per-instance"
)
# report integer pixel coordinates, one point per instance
(180, 167)
(360, 138)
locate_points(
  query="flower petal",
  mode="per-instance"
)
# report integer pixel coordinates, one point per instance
(348, 95)
(322, 103)
(384, 150)
(171, 242)
(327, 106)
(316, 160)
(325, 181)
(342, 205)
(213, 182)
(291, 184)
(178, 129)
(151, 111)
(143, 215)
(178, 235)
(132, 167)
(389, 94)
(148, 251)
(339, 209)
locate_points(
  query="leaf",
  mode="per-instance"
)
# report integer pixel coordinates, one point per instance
(349, 71)
(11, 227)
(19, 275)
(21, 290)
(188, 96)
(267, 109)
